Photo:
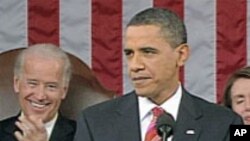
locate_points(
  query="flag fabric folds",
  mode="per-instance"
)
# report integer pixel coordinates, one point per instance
(92, 30)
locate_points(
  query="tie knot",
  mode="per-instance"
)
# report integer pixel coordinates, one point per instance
(157, 111)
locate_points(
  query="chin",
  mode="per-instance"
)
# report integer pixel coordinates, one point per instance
(141, 93)
(246, 122)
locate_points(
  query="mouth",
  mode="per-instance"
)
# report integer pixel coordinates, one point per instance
(140, 80)
(38, 105)
(247, 118)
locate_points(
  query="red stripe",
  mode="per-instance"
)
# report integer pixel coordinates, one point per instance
(176, 6)
(231, 40)
(43, 21)
(107, 43)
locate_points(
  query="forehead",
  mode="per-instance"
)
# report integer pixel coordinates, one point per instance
(142, 31)
(144, 35)
(241, 87)
(35, 64)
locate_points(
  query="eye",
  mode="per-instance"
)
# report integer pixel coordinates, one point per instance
(51, 87)
(128, 52)
(149, 51)
(239, 100)
(32, 84)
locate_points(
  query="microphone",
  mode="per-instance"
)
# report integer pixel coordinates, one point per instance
(165, 125)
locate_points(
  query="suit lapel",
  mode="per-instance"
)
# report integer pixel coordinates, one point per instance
(126, 123)
(187, 126)
(62, 130)
(8, 129)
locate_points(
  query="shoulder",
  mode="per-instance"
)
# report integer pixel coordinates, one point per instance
(214, 111)
(7, 127)
(7, 121)
(111, 106)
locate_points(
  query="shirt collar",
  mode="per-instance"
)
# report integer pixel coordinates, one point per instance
(50, 125)
(171, 105)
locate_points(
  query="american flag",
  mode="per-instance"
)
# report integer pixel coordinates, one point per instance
(92, 30)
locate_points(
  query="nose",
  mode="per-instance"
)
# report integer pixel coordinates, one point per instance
(135, 63)
(247, 103)
(40, 93)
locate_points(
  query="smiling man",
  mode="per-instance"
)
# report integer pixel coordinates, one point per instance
(41, 79)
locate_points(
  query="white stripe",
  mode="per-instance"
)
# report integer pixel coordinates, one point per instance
(75, 28)
(13, 34)
(130, 8)
(200, 68)
(248, 32)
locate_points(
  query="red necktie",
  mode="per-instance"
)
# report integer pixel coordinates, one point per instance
(151, 134)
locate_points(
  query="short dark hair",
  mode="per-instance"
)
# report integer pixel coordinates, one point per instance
(172, 27)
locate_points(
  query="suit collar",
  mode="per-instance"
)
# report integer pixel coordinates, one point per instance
(10, 126)
(187, 126)
(126, 123)
(61, 129)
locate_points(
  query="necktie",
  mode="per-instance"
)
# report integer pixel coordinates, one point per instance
(151, 134)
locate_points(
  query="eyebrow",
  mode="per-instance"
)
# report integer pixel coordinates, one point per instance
(141, 48)
(238, 96)
(148, 48)
(127, 49)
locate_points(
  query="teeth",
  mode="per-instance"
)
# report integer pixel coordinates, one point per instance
(38, 105)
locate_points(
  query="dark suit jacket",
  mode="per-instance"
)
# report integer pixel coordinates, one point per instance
(118, 120)
(64, 129)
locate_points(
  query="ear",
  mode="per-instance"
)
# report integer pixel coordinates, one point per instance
(183, 54)
(16, 84)
(65, 91)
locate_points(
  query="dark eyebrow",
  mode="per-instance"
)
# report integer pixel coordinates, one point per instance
(148, 49)
(239, 96)
(127, 49)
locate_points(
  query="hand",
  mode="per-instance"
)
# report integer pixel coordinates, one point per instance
(31, 129)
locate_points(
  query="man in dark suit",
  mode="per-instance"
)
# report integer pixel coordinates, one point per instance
(41, 79)
(156, 47)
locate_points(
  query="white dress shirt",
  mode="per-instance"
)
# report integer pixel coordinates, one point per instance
(145, 106)
(50, 125)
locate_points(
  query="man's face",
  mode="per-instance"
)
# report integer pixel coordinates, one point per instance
(240, 95)
(40, 87)
(153, 64)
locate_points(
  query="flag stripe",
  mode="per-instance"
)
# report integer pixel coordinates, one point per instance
(175, 6)
(248, 32)
(75, 28)
(230, 40)
(43, 21)
(200, 68)
(13, 33)
(219, 43)
(107, 43)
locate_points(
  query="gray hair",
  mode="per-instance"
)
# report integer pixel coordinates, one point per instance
(46, 50)
(172, 27)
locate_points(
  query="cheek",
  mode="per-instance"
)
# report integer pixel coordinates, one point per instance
(24, 90)
(238, 108)
(164, 66)
(56, 97)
